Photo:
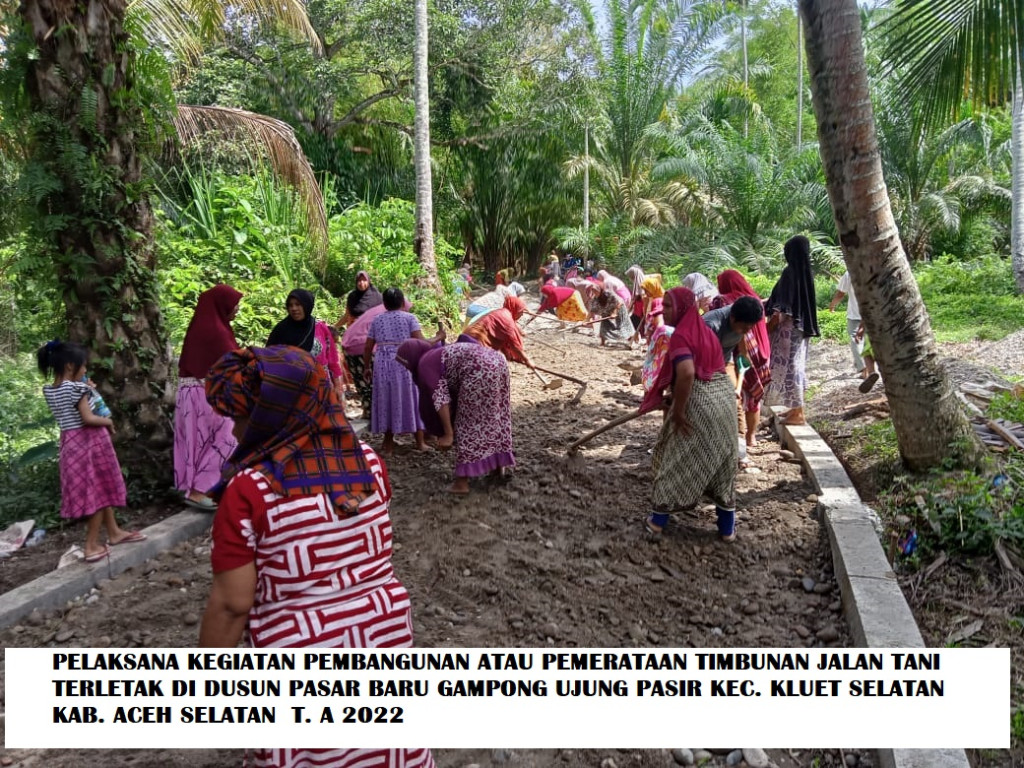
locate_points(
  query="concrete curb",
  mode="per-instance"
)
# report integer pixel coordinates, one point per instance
(53, 590)
(874, 606)
(57, 587)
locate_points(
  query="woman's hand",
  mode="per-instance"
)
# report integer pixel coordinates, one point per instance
(773, 321)
(681, 422)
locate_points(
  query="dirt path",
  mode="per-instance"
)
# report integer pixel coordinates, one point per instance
(558, 557)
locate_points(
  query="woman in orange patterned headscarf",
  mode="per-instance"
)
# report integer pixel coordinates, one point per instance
(498, 330)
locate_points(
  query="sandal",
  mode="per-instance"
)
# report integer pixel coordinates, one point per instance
(132, 538)
(868, 383)
(652, 524)
(207, 505)
(96, 557)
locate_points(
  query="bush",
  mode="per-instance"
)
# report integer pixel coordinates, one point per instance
(970, 300)
(379, 240)
(28, 446)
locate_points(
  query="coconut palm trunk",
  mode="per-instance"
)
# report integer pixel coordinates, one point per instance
(81, 86)
(1017, 207)
(423, 242)
(927, 417)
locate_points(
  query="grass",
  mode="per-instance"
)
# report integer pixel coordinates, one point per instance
(970, 301)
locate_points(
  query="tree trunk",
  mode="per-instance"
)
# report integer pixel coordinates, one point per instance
(423, 243)
(799, 81)
(87, 138)
(1017, 206)
(927, 417)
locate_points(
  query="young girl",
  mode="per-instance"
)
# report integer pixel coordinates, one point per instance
(90, 477)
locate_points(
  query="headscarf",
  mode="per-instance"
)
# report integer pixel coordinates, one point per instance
(297, 435)
(614, 284)
(296, 333)
(209, 333)
(358, 301)
(516, 288)
(700, 285)
(554, 296)
(426, 364)
(692, 336)
(516, 306)
(503, 277)
(651, 285)
(732, 286)
(793, 294)
(499, 331)
(636, 274)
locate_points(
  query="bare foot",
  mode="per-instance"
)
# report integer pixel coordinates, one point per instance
(751, 441)
(460, 487)
(423, 448)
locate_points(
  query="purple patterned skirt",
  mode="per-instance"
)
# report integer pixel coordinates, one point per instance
(90, 477)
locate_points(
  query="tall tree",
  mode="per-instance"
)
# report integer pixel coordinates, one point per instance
(927, 417)
(423, 240)
(94, 100)
(949, 47)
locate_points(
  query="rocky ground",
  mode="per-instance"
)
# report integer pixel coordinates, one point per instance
(558, 557)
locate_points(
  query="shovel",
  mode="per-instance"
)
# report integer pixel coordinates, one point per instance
(547, 384)
(558, 381)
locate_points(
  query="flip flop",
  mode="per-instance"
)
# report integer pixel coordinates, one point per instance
(131, 538)
(869, 383)
(95, 557)
(209, 505)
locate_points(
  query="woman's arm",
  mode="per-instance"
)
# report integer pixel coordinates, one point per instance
(89, 418)
(227, 609)
(685, 374)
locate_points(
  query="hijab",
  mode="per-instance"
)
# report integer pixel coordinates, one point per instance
(358, 301)
(297, 437)
(554, 296)
(732, 286)
(651, 285)
(209, 333)
(793, 294)
(636, 274)
(516, 306)
(296, 333)
(692, 336)
(610, 281)
(516, 288)
(700, 285)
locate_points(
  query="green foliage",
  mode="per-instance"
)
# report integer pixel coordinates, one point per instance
(1007, 405)
(955, 293)
(28, 457)
(379, 240)
(1017, 726)
(964, 511)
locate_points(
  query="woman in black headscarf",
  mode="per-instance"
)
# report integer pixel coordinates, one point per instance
(792, 320)
(300, 329)
(364, 297)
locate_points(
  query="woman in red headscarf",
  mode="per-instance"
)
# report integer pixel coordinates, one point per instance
(565, 301)
(754, 348)
(498, 330)
(697, 453)
(202, 438)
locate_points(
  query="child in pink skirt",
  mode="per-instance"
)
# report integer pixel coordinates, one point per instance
(90, 477)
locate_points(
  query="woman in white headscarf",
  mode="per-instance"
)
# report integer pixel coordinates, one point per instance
(703, 289)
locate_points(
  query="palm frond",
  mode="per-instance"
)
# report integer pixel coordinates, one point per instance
(946, 49)
(275, 141)
(182, 26)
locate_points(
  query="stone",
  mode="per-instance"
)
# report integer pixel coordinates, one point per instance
(104, 641)
(812, 498)
(576, 494)
(550, 629)
(822, 589)
(802, 631)
(175, 581)
(64, 635)
(91, 599)
(6, 761)
(807, 583)
(751, 608)
(683, 756)
(851, 760)
(501, 755)
(752, 470)
(608, 763)
(466, 572)
(756, 758)
(786, 455)
(701, 755)
(190, 619)
(735, 757)
(828, 634)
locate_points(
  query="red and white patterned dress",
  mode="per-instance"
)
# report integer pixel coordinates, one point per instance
(322, 580)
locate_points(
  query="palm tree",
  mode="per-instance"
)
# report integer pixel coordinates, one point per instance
(95, 102)
(423, 242)
(949, 46)
(927, 417)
